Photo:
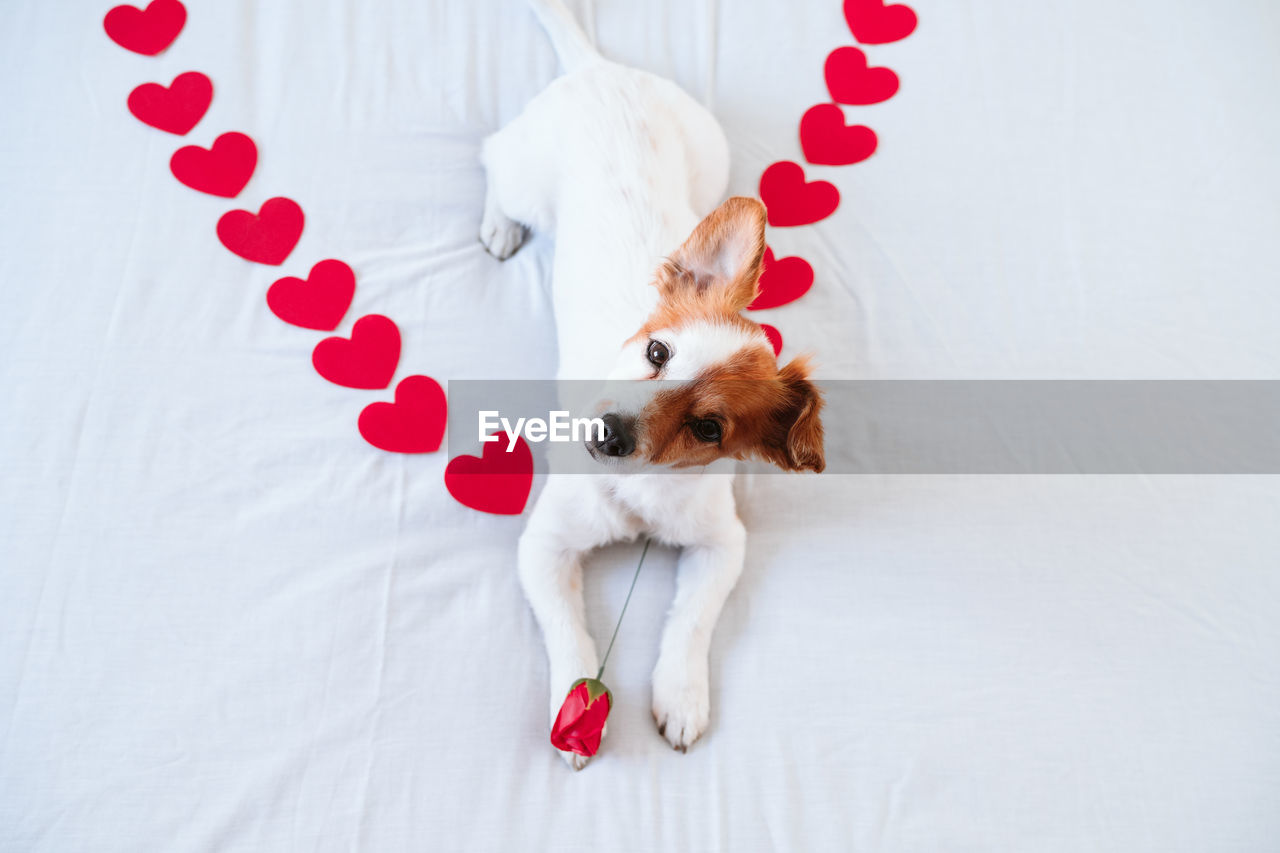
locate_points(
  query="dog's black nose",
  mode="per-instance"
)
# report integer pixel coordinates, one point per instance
(618, 438)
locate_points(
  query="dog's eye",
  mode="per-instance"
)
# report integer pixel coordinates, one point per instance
(706, 430)
(657, 353)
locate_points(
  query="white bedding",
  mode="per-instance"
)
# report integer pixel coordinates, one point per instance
(227, 623)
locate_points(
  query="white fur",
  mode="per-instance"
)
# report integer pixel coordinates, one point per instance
(620, 165)
(700, 345)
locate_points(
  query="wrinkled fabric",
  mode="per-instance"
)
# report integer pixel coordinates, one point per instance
(228, 623)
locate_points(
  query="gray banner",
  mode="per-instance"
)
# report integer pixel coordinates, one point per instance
(957, 427)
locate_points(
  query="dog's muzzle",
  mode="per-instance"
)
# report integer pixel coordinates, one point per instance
(619, 436)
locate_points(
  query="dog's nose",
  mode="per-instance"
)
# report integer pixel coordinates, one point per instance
(618, 437)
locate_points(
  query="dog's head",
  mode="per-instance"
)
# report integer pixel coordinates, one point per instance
(725, 395)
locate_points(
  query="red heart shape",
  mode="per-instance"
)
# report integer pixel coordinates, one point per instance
(367, 359)
(828, 141)
(266, 237)
(414, 423)
(146, 31)
(774, 336)
(872, 22)
(497, 482)
(791, 200)
(319, 302)
(851, 81)
(175, 109)
(222, 170)
(782, 280)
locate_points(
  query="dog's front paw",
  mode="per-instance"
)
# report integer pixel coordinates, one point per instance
(575, 760)
(681, 703)
(501, 236)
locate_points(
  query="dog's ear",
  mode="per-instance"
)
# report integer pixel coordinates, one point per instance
(722, 258)
(796, 441)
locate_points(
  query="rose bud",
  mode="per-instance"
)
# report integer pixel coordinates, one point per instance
(581, 720)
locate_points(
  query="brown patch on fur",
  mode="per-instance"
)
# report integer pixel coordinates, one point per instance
(800, 417)
(763, 412)
(714, 275)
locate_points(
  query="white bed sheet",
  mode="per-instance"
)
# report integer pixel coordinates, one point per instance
(226, 623)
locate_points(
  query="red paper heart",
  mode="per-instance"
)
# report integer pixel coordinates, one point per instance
(146, 31)
(782, 280)
(414, 423)
(851, 81)
(266, 237)
(222, 170)
(872, 22)
(793, 201)
(828, 141)
(175, 109)
(498, 482)
(318, 302)
(367, 359)
(774, 336)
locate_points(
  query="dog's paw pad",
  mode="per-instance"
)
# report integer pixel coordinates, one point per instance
(681, 710)
(501, 236)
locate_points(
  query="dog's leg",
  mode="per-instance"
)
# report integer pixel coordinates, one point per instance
(707, 573)
(520, 164)
(552, 579)
(501, 235)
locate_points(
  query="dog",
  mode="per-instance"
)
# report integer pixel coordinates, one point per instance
(622, 166)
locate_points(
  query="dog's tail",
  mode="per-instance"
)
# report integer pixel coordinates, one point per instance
(571, 43)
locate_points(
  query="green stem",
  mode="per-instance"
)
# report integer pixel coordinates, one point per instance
(624, 609)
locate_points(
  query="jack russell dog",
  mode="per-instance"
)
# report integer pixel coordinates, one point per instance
(622, 167)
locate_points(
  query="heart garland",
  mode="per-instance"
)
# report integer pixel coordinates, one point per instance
(782, 280)
(496, 482)
(367, 359)
(265, 237)
(872, 22)
(415, 422)
(791, 200)
(826, 139)
(850, 80)
(147, 31)
(318, 302)
(175, 108)
(222, 170)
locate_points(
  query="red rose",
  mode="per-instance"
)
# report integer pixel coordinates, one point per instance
(582, 717)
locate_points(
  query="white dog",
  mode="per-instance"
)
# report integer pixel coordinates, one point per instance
(621, 165)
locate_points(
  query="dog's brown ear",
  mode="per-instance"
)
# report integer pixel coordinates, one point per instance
(796, 443)
(722, 258)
